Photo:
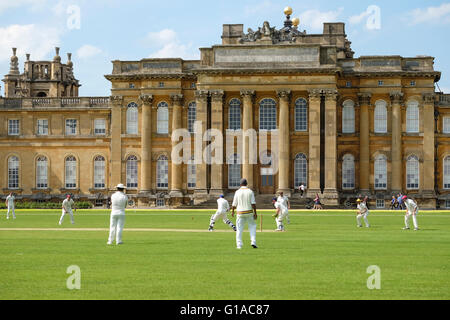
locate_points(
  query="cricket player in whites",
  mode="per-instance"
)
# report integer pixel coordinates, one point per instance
(67, 209)
(222, 208)
(119, 201)
(282, 213)
(411, 210)
(363, 212)
(245, 204)
(10, 205)
(284, 200)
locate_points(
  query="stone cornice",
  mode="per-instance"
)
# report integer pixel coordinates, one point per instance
(372, 74)
(259, 71)
(135, 77)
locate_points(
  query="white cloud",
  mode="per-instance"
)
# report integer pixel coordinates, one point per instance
(88, 51)
(167, 45)
(11, 4)
(358, 18)
(314, 19)
(37, 40)
(439, 14)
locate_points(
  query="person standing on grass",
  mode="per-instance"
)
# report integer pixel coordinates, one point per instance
(10, 205)
(284, 200)
(281, 214)
(245, 204)
(223, 208)
(67, 209)
(363, 212)
(393, 202)
(119, 201)
(411, 211)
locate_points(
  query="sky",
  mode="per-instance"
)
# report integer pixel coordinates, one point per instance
(97, 32)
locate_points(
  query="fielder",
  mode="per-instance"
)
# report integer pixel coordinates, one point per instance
(222, 208)
(282, 213)
(363, 212)
(67, 209)
(119, 201)
(245, 204)
(284, 200)
(411, 210)
(10, 204)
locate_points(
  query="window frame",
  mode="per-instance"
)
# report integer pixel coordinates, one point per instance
(41, 178)
(162, 124)
(267, 115)
(15, 127)
(301, 115)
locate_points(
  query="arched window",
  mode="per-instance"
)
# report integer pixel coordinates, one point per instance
(163, 118)
(301, 115)
(192, 115)
(71, 173)
(132, 118)
(380, 173)
(13, 172)
(380, 117)
(234, 114)
(41, 173)
(348, 172)
(162, 173)
(268, 115)
(412, 117)
(300, 170)
(234, 171)
(192, 174)
(99, 172)
(412, 173)
(447, 173)
(132, 172)
(348, 117)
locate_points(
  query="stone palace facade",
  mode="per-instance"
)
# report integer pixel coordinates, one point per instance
(344, 125)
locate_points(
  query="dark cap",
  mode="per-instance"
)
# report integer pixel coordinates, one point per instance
(244, 182)
(274, 199)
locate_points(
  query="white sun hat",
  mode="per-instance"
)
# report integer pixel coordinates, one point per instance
(121, 186)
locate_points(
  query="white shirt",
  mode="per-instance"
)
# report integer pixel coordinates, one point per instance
(281, 206)
(119, 201)
(67, 205)
(10, 200)
(243, 200)
(362, 207)
(223, 205)
(302, 187)
(411, 205)
(283, 200)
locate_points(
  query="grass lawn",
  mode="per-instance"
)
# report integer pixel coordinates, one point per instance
(321, 256)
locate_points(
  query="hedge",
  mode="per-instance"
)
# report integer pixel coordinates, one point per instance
(46, 205)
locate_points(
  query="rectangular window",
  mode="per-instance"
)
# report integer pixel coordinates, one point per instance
(446, 125)
(413, 83)
(42, 127)
(160, 203)
(99, 126)
(71, 127)
(13, 127)
(192, 176)
(131, 86)
(447, 204)
(161, 84)
(348, 84)
(380, 83)
(380, 204)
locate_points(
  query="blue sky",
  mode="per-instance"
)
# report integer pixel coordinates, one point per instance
(99, 31)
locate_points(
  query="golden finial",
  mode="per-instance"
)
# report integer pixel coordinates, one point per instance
(296, 22)
(288, 11)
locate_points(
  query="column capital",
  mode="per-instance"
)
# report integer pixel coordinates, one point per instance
(330, 94)
(217, 95)
(201, 94)
(364, 98)
(284, 94)
(177, 99)
(429, 98)
(315, 94)
(116, 100)
(146, 99)
(396, 97)
(247, 93)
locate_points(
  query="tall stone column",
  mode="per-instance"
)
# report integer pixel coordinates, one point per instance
(284, 143)
(201, 189)
(177, 169)
(315, 97)
(428, 191)
(217, 97)
(146, 143)
(116, 141)
(364, 137)
(396, 146)
(247, 124)
(331, 196)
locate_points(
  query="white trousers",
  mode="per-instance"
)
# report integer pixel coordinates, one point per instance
(241, 221)
(219, 215)
(366, 221)
(279, 220)
(64, 214)
(13, 212)
(117, 221)
(414, 218)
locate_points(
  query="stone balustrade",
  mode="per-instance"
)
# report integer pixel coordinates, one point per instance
(72, 102)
